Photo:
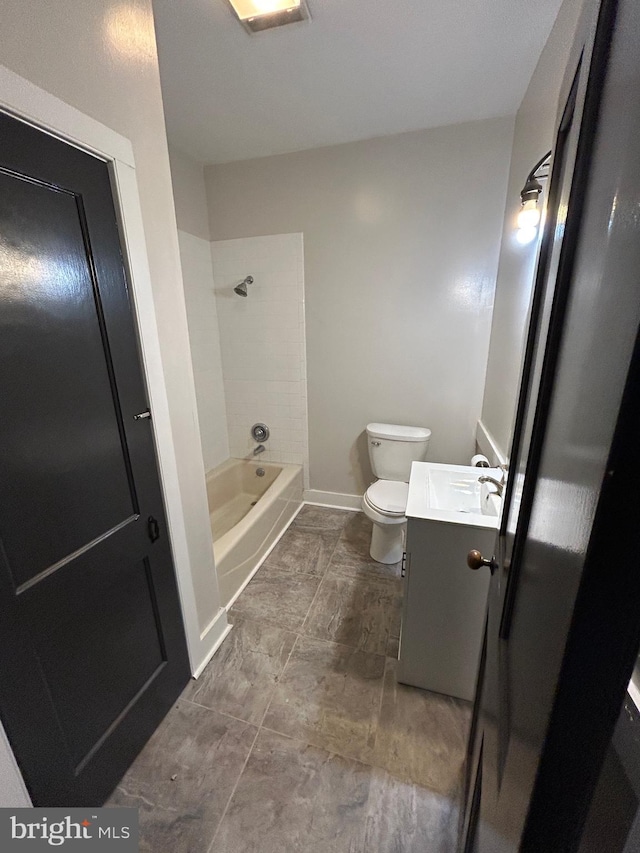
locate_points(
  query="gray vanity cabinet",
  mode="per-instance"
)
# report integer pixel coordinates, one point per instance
(444, 606)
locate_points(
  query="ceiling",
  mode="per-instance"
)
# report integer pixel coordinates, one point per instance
(359, 69)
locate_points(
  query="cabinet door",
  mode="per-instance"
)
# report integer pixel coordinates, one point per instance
(444, 607)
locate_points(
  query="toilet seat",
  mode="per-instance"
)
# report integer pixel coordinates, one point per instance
(388, 497)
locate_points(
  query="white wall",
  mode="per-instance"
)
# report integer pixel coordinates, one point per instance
(533, 138)
(202, 316)
(100, 57)
(401, 239)
(263, 344)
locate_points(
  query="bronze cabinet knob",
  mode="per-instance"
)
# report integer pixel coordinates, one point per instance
(476, 561)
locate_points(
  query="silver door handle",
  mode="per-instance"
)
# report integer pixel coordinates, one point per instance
(142, 416)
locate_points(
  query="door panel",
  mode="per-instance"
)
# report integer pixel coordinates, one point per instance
(561, 642)
(613, 822)
(498, 704)
(63, 433)
(97, 652)
(92, 647)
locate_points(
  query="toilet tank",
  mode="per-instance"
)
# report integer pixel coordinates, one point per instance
(392, 449)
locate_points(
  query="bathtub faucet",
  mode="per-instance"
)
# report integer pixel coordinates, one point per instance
(259, 449)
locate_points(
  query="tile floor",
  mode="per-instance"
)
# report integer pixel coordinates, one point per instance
(297, 737)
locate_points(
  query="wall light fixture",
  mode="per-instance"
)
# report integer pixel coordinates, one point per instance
(529, 216)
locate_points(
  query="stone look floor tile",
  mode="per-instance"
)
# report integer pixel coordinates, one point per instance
(319, 669)
(351, 556)
(295, 798)
(303, 550)
(278, 596)
(421, 736)
(241, 677)
(363, 613)
(324, 803)
(206, 751)
(319, 518)
(406, 818)
(329, 695)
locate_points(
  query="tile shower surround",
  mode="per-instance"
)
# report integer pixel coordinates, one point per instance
(297, 736)
(262, 341)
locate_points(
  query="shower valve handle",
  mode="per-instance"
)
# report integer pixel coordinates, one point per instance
(260, 432)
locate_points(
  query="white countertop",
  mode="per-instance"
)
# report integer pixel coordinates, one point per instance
(421, 496)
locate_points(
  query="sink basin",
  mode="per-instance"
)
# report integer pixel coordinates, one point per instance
(490, 500)
(453, 493)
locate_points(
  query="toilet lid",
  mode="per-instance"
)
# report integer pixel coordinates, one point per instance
(389, 496)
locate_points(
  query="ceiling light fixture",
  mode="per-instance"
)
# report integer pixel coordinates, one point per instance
(529, 216)
(258, 15)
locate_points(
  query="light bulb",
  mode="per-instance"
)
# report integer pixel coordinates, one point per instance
(526, 235)
(249, 9)
(529, 216)
(265, 7)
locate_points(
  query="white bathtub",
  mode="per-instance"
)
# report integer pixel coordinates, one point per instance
(248, 514)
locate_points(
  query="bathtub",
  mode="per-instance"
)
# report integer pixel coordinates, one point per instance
(248, 515)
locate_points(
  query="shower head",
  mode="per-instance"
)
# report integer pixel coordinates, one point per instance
(241, 289)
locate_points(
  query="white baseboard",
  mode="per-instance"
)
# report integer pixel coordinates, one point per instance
(334, 500)
(211, 639)
(489, 446)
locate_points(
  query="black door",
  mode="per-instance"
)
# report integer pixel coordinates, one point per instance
(92, 646)
(563, 623)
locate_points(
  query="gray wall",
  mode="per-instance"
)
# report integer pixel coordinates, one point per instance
(192, 216)
(533, 137)
(206, 354)
(401, 242)
(189, 195)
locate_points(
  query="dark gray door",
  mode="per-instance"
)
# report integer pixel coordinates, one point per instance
(92, 647)
(563, 623)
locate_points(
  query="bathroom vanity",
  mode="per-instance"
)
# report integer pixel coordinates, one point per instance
(449, 513)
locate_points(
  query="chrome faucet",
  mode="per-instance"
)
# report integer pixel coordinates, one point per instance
(497, 483)
(259, 449)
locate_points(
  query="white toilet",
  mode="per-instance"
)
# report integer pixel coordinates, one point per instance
(392, 449)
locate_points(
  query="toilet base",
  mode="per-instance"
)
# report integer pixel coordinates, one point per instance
(387, 543)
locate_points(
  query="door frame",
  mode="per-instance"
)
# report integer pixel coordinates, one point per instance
(33, 105)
